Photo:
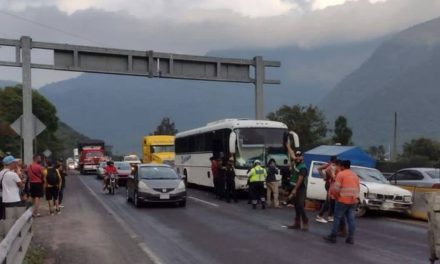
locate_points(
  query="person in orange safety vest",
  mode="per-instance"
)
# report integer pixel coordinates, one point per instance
(346, 192)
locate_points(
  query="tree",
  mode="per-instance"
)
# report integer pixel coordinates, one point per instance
(342, 133)
(166, 127)
(378, 152)
(422, 147)
(308, 122)
(11, 109)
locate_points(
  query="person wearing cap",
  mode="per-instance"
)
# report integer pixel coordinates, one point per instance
(11, 184)
(298, 193)
(230, 181)
(257, 176)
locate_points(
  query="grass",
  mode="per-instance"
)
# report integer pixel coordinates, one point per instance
(34, 255)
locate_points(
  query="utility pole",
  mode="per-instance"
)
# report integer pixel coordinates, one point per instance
(395, 138)
(259, 82)
(28, 128)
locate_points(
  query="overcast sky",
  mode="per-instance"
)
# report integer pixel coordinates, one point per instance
(199, 26)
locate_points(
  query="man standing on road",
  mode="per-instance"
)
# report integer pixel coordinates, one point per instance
(230, 181)
(36, 180)
(52, 186)
(328, 173)
(63, 174)
(11, 184)
(346, 191)
(214, 172)
(299, 192)
(257, 177)
(272, 184)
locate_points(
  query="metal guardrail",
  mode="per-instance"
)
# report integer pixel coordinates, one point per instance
(14, 246)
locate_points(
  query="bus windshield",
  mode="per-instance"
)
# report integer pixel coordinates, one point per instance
(259, 143)
(162, 148)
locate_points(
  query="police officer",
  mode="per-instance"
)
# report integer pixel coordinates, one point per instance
(257, 177)
(230, 181)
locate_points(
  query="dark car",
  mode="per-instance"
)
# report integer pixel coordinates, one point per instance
(124, 170)
(155, 183)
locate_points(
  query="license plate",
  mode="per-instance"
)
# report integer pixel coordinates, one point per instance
(164, 196)
(387, 205)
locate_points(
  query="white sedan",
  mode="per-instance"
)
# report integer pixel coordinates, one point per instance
(376, 193)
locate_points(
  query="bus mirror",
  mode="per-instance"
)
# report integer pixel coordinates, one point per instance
(295, 138)
(232, 140)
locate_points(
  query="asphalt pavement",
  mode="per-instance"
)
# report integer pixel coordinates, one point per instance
(211, 231)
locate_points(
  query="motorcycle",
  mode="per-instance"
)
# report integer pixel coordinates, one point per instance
(112, 184)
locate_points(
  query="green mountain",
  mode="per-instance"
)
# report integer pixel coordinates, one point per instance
(403, 76)
(122, 109)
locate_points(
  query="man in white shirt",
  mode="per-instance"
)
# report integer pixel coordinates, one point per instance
(11, 184)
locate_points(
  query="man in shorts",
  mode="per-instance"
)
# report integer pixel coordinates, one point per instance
(36, 180)
(52, 186)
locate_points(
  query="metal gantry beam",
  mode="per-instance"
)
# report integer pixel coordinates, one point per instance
(133, 62)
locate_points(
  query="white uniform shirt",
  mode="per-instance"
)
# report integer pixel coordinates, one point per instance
(11, 192)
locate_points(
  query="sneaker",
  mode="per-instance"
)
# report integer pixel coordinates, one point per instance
(58, 211)
(330, 219)
(349, 241)
(330, 239)
(61, 206)
(321, 219)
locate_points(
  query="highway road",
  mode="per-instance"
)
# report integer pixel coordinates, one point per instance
(211, 231)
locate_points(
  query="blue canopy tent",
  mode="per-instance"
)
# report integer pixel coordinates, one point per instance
(355, 154)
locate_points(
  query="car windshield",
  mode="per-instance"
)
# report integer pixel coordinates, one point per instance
(369, 175)
(157, 173)
(122, 166)
(435, 174)
(259, 144)
(162, 148)
(131, 158)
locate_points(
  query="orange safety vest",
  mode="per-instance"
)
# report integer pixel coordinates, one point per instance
(346, 187)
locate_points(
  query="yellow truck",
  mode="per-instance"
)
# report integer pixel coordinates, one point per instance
(158, 149)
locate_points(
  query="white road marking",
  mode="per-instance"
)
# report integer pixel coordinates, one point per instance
(150, 254)
(203, 201)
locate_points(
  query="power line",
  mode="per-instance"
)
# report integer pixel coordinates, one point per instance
(49, 27)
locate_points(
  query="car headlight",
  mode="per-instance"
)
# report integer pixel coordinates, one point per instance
(181, 187)
(143, 187)
(407, 199)
(371, 196)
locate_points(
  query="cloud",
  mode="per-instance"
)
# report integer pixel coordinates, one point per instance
(199, 26)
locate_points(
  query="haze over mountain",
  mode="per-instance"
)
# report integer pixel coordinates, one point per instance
(402, 75)
(121, 109)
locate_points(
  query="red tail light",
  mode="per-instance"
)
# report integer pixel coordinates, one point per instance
(436, 186)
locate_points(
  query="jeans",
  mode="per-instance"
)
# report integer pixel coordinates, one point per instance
(230, 190)
(344, 210)
(329, 205)
(300, 201)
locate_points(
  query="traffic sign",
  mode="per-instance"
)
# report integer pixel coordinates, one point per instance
(38, 126)
(47, 153)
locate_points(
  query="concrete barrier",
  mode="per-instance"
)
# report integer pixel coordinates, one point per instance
(419, 209)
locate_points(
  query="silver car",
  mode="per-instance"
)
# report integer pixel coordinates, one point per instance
(418, 177)
(156, 183)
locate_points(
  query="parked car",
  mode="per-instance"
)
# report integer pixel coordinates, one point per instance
(418, 177)
(124, 170)
(100, 170)
(155, 183)
(376, 193)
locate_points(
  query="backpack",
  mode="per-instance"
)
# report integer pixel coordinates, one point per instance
(52, 177)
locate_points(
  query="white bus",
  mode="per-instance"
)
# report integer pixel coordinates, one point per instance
(245, 140)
